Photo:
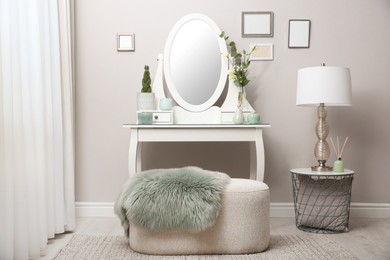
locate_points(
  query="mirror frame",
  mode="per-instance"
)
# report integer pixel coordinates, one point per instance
(224, 64)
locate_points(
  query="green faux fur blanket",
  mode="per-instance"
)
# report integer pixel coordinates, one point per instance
(186, 198)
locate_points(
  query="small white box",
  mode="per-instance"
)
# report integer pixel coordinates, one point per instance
(163, 117)
(159, 117)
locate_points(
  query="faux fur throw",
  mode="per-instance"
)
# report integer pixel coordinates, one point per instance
(166, 199)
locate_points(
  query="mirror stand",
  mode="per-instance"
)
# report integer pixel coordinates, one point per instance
(213, 115)
(158, 83)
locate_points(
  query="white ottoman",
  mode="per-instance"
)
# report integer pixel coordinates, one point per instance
(242, 227)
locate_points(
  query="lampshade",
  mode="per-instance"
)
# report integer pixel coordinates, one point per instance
(328, 85)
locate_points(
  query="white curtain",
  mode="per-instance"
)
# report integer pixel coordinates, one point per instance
(36, 125)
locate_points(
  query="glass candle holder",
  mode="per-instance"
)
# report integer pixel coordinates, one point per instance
(253, 118)
(145, 118)
(166, 103)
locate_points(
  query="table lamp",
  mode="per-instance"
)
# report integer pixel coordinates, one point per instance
(323, 86)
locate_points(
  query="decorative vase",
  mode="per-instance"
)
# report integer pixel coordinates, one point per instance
(146, 101)
(241, 97)
(238, 117)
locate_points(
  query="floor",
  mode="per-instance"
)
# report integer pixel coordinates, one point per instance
(368, 239)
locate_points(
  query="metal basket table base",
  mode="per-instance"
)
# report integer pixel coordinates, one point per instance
(322, 203)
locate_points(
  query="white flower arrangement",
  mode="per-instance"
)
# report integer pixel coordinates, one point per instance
(238, 73)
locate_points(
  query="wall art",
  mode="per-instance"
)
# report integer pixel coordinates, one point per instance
(257, 24)
(125, 42)
(299, 33)
(263, 51)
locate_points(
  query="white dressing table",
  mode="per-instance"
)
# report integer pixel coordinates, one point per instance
(193, 43)
(198, 133)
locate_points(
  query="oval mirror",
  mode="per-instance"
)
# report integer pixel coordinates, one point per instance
(194, 69)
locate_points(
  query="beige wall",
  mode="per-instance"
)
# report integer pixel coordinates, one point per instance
(347, 33)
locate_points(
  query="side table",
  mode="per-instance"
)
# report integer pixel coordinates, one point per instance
(322, 200)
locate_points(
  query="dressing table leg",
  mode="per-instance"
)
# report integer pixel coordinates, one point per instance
(135, 152)
(138, 157)
(257, 157)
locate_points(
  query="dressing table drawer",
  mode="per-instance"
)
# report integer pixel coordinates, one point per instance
(162, 117)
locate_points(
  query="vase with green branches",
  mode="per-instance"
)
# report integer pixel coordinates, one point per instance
(238, 67)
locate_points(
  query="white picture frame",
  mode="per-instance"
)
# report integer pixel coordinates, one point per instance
(257, 24)
(263, 51)
(125, 42)
(299, 33)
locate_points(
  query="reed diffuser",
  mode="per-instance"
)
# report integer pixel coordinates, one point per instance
(338, 165)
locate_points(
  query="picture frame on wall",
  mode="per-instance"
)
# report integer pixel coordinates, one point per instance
(263, 51)
(299, 33)
(125, 42)
(257, 24)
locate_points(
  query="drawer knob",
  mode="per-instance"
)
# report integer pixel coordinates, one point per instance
(156, 117)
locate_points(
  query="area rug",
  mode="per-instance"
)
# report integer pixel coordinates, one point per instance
(302, 246)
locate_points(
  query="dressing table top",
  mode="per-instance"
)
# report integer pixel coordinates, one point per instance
(191, 126)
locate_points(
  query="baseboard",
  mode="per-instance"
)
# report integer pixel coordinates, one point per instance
(370, 210)
(357, 210)
(95, 209)
(278, 210)
(282, 210)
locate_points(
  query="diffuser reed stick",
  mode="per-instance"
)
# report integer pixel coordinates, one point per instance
(342, 149)
(334, 147)
(339, 152)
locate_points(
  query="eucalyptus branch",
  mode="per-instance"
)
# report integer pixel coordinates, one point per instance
(239, 62)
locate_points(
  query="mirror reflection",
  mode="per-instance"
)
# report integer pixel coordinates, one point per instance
(195, 62)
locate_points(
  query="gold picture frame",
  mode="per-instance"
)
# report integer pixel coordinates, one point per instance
(257, 24)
